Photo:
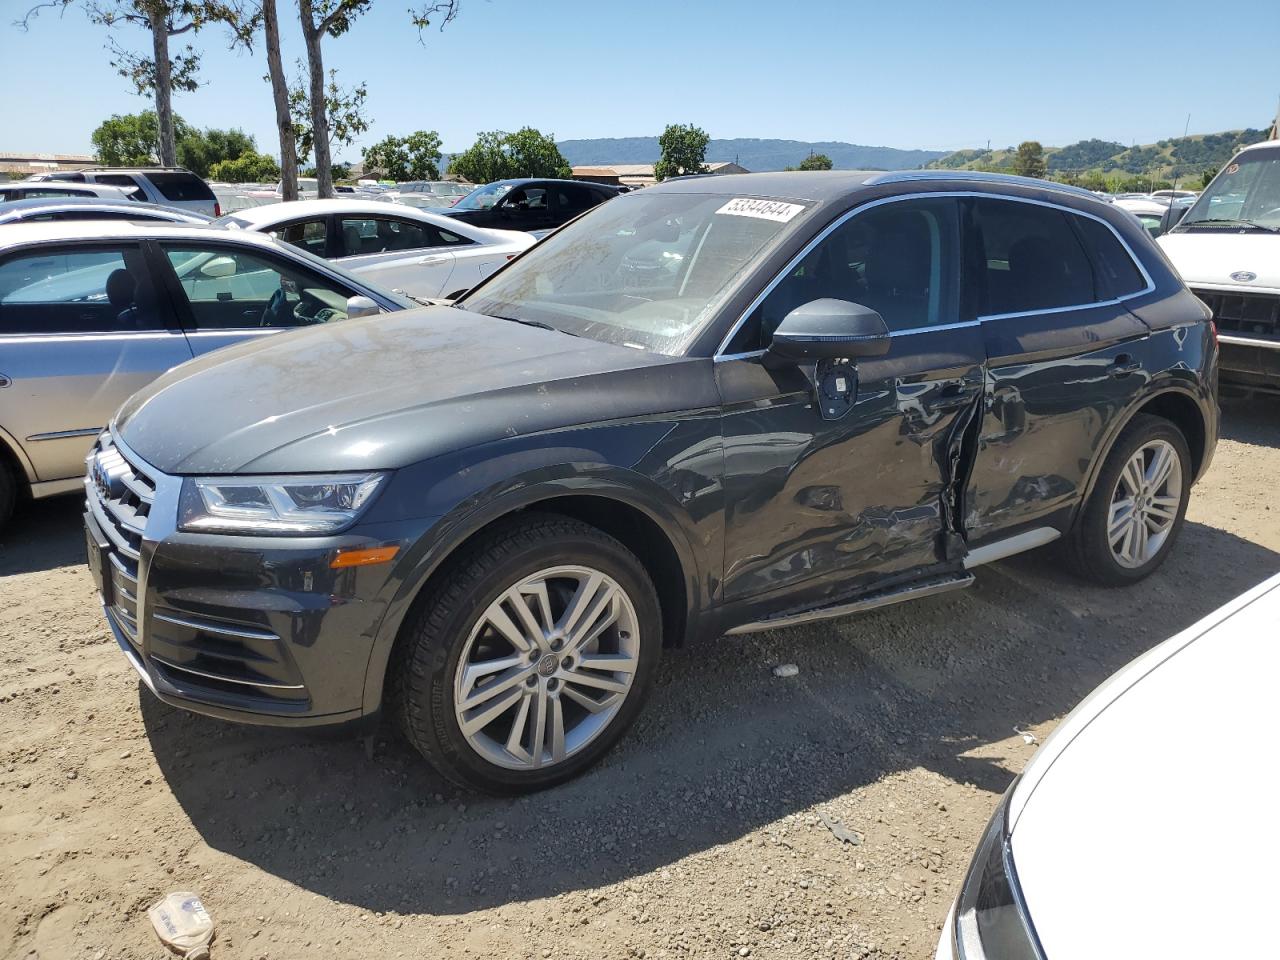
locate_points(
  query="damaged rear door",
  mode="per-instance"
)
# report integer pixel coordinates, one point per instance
(840, 476)
(1064, 356)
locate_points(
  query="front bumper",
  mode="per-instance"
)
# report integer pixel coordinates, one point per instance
(253, 629)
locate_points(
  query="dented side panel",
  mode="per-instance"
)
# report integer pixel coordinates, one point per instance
(1056, 383)
(815, 508)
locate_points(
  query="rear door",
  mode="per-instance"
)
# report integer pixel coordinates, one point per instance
(528, 207)
(227, 293)
(841, 475)
(81, 329)
(1063, 355)
(407, 255)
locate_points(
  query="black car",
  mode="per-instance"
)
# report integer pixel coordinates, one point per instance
(527, 204)
(713, 406)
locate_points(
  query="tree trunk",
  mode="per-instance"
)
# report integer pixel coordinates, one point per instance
(164, 85)
(280, 93)
(319, 118)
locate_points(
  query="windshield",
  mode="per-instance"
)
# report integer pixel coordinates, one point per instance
(482, 198)
(644, 270)
(1245, 194)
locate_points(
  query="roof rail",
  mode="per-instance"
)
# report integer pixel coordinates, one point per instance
(978, 176)
(135, 166)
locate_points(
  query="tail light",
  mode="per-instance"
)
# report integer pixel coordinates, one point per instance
(1213, 328)
(217, 209)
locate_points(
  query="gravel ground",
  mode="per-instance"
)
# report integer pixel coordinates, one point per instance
(704, 835)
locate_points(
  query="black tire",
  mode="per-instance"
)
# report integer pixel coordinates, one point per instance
(435, 634)
(1087, 546)
(8, 491)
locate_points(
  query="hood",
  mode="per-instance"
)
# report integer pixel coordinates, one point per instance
(1207, 258)
(386, 391)
(1144, 826)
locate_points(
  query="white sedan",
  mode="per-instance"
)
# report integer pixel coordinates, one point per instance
(412, 251)
(1145, 825)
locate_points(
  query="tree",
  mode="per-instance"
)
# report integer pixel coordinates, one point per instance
(415, 157)
(161, 73)
(344, 120)
(200, 150)
(333, 18)
(251, 167)
(500, 156)
(684, 151)
(1029, 160)
(131, 139)
(814, 161)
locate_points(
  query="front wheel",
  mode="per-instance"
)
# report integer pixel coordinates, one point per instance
(1138, 505)
(8, 492)
(530, 656)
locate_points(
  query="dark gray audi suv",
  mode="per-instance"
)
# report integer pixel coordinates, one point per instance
(713, 406)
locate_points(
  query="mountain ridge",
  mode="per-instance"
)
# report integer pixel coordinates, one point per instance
(756, 154)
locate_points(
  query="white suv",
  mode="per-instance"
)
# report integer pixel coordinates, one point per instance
(167, 186)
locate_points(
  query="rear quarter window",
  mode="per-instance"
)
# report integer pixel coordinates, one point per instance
(1113, 262)
(181, 186)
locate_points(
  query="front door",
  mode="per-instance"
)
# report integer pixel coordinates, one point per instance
(81, 329)
(409, 256)
(839, 476)
(228, 293)
(1062, 356)
(525, 208)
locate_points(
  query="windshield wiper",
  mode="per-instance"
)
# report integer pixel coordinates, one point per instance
(1231, 222)
(532, 323)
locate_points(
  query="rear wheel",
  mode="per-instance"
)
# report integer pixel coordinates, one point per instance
(530, 656)
(1137, 508)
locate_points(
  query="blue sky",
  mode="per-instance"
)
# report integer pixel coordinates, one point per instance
(926, 74)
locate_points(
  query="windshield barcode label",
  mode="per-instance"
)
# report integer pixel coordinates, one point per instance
(761, 209)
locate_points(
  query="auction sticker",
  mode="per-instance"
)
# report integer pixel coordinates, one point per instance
(761, 209)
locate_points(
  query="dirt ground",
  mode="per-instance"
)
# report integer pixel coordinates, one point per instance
(703, 835)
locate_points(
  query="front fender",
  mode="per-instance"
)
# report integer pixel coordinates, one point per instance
(463, 498)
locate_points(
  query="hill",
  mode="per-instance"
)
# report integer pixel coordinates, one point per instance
(1178, 157)
(755, 155)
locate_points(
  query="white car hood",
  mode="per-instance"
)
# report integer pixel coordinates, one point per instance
(1206, 258)
(1145, 826)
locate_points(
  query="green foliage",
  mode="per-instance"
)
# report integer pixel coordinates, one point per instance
(248, 167)
(1207, 176)
(500, 156)
(683, 149)
(343, 106)
(1029, 160)
(415, 157)
(131, 139)
(200, 150)
(339, 171)
(1083, 154)
(815, 161)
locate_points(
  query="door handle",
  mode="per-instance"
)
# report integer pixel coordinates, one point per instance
(5, 381)
(1124, 365)
(432, 259)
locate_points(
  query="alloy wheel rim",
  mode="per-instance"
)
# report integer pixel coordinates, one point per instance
(1144, 504)
(546, 667)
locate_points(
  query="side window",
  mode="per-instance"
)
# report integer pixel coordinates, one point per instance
(384, 235)
(573, 200)
(123, 181)
(77, 290)
(1027, 258)
(1114, 264)
(526, 199)
(898, 258)
(53, 192)
(228, 289)
(309, 235)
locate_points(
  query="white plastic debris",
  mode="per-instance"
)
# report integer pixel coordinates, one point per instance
(1027, 736)
(785, 670)
(183, 925)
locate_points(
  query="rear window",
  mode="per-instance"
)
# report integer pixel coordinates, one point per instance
(181, 186)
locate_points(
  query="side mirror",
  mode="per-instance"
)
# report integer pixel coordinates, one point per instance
(219, 268)
(361, 307)
(830, 328)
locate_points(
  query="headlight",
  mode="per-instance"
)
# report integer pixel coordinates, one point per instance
(991, 917)
(296, 505)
